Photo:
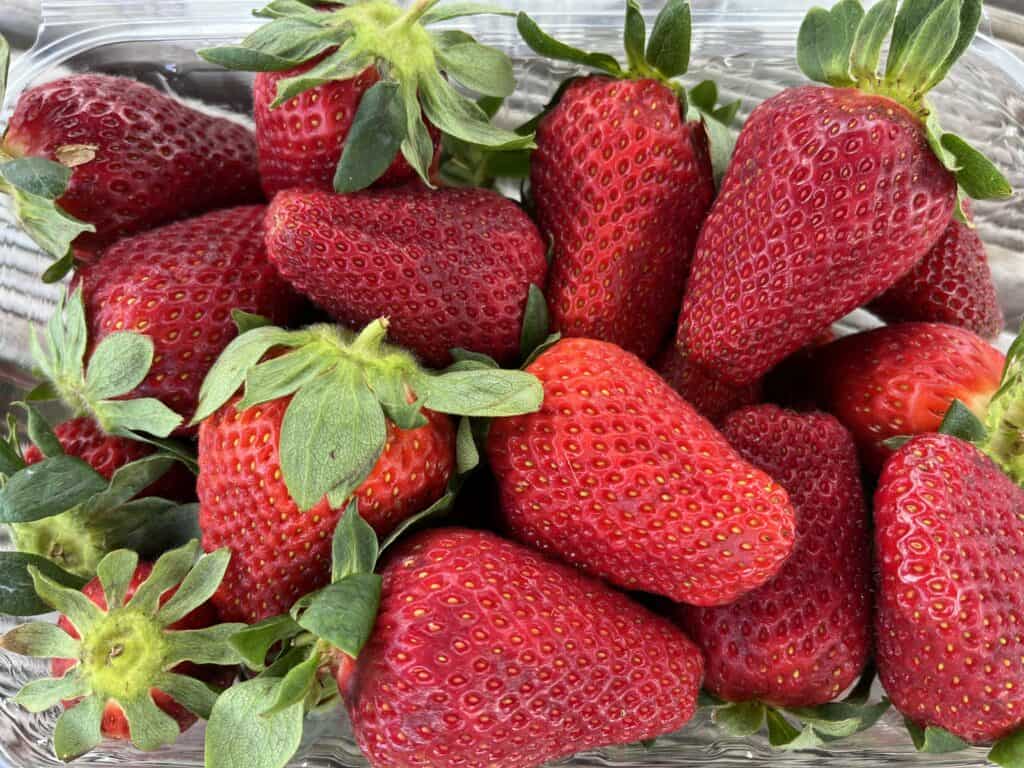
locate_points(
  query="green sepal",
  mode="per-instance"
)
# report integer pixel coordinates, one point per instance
(196, 588)
(48, 488)
(248, 321)
(545, 45)
(870, 36)
(961, 422)
(1008, 751)
(236, 737)
(194, 695)
(342, 613)
(354, 546)
(467, 455)
(282, 44)
(456, 10)
(168, 571)
(78, 729)
(294, 687)
(934, 740)
(375, 137)
(254, 642)
(668, 48)
(437, 510)
(1004, 441)
(40, 695)
(740, 719)
(547, 344)
(43, 641)
(479, 68)
(536, 322)
(209, 645)
(825, 42)
(343, 64)
(5, 65)
(115, 572)
(149, 726)
(19, 597)
(40, 432)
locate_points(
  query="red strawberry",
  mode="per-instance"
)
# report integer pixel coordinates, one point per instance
(948, 537)
(449, 268)
(279, 552)
(803, 637)
(82, 438)
(621, 182)
(138, 665)
(301, 141)
(832, 194)
(619, 475)
(179, 285)
(502, 657)
(139, 158)
(951, 284)
(713, 398)
(352, 98)
(901, 380)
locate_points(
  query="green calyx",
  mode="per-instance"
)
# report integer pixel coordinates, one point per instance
(797, 728)
(117, 365)
(344, 387)
(842, 47)
(126, 649)
(414, 63)
(1002, 434)
(34, 185)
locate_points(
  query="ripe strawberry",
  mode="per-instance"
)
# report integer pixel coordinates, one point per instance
(138, 158)
(619, 475)
(449, 268)
(901, 380)
(621, 182)
(502, 657)
(713, 398)
(803, 637)
(138, 664)
(833, 193)
(179, 285)
(348, 95)
(951, 284)
(301, 141)
(280, 552)
(948, 537)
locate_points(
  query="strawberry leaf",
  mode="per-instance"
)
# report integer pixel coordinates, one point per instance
(825, 42)
(545, 45)
(354, 545)
(376, 134)
(668, 49)
(236, 737)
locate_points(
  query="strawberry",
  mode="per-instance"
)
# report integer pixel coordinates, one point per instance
(802, 638)
(300, 143)
(449, 268)
(951, 284)
(179, 285)
(902, 379)
(330, 417)
(621, 181)
(344, 90)
(619, 475)
(280, 552)
(948, 537)
(505, 658)
(713, 398)
(834, 192)
(122, 158)
(136, 657)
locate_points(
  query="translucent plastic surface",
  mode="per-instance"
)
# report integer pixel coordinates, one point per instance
(748, 47)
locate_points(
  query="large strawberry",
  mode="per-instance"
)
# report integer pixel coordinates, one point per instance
(833, 192)
(621, 181)
(902, 379)
(619, 475)
(132, 653)
(332, 416)
(449, 268)
(91, 158)
(801, 639)
(951, 284)
(348, 88)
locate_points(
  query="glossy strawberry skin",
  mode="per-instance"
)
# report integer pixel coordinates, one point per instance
(831, 196)
(156, 161)
(82, 438)
(448, 268)
(620, 476)
(115, 724)
(621, 183)
(485, 653)
(178, 285)
(801, 639)
(949, 538)
(278, 553)
(951, 284)
(901, 380)
(301, 141)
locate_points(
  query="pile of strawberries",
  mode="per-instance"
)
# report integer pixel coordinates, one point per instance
(511, 480)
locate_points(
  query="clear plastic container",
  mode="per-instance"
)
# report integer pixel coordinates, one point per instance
(747, 46)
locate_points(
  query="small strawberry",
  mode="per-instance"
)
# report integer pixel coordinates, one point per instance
(346, 94)
(332, 416)
(449, 268)
(901, 380)
(951, 284)
(621, 181)
(133, 654)
(91, 158)
(619, 475)
(802, 638)
(948, 538)
(833, 192)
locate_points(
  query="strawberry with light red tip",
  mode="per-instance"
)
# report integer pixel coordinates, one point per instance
(833, 192)
(620, 476)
